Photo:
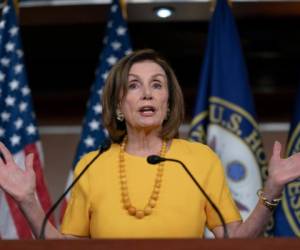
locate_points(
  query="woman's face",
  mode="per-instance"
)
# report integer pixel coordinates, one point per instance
(146, 101)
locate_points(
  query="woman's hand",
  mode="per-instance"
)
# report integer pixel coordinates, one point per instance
(281, 171)
(17, 182)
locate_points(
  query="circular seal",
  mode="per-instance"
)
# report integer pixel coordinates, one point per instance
(236, 171)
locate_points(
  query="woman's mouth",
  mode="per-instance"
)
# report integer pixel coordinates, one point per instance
(147, 110)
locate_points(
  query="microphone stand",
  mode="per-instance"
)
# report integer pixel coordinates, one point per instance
(102, 149)
(154, 159)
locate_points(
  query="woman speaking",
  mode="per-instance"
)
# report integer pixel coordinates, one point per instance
(123, 196)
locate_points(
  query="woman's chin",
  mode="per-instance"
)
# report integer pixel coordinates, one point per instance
(148, 126)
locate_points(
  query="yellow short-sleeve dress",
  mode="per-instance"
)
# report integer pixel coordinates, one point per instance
(95, 208)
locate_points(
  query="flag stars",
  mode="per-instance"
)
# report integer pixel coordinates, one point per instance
(100, 91)
(104, 75)
(97, 109)
(2, 132)
(31, 129)
(10, 101)
(110, 24)
(116, 45)
(6, 9)
(106, 132)
(89, 141)
(5, 61)
(112, 60)
(19, 123)
(114, 8)
(23, 106)
(9, 47)
(121, 31)
(25, 91)
(13, 31)
(127, 52)
(2, 24)
(2, 77)
(18, 68)
(14, 84)
(94, 125)
(20, 53)
(5, 116)
(15, 140)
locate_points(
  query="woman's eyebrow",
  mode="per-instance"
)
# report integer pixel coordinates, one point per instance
(131, 74)
(159, 74)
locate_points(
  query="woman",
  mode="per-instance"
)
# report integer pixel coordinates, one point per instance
(121, 196)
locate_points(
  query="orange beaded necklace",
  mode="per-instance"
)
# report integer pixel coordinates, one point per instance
(140, 213)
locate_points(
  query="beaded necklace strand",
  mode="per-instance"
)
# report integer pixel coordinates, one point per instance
(132, 210)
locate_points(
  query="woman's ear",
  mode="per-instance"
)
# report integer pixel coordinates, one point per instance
(119, 114)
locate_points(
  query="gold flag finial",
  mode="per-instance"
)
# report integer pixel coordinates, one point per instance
(123, 8)
(214, 2)
(212, 6)
(16, 4)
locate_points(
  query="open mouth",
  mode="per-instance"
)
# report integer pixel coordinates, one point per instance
(147, 110)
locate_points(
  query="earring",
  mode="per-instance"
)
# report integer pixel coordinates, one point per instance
(120, 115)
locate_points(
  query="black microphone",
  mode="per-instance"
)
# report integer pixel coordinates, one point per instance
(104, 146)
(155, 159)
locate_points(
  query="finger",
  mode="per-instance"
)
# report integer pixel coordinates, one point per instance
(276, 151)
(29, 161)
(6, 154)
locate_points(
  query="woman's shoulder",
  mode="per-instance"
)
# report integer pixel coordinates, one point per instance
(192, 149)
(184, 144)
(105, 156)
(113, 149)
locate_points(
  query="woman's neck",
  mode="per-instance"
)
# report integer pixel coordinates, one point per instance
(143, 144)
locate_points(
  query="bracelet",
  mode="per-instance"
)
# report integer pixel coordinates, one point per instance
(270, 204)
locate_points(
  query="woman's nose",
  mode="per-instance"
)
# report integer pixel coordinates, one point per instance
(147, 94)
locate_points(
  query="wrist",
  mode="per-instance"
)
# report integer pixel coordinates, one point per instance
(26, 200)
(272, 190)
(270, 203)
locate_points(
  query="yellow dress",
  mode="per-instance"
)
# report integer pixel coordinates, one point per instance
(95, 209)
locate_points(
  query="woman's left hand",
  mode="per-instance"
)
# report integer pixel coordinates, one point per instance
(281, 171)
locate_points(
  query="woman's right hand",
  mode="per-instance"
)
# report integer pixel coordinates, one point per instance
(17, 182)
(21, 185)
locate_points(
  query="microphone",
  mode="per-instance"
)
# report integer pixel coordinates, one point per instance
(103, 147)
(155, 159)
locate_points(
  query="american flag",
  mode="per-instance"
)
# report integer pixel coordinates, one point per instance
(116, 45)
(18, 130)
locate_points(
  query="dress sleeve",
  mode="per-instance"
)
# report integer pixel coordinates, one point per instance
(76, 220)
(220, 194)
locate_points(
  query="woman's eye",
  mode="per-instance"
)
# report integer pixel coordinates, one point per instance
(157, 85)
(132, 85)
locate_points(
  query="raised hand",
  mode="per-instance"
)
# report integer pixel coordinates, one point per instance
(17, 182)
(282, 170)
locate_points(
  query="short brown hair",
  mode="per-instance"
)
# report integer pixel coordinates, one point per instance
(116, 83)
